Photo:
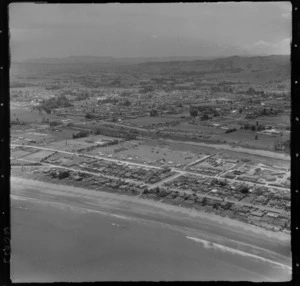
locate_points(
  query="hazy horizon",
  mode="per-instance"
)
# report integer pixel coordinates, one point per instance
(149, 30)
(179, 58)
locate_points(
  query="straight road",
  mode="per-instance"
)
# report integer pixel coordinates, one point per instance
(183, 172)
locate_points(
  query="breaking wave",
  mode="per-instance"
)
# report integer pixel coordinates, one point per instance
(216, 246)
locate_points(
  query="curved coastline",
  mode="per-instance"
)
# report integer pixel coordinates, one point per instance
(217, 230)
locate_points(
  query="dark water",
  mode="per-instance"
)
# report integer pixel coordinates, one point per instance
(51, 243)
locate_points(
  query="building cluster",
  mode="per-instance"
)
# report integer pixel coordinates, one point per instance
(258, 204)
(259, 175)
(178, 102)
(261, 206)
(85, 180)
(213, 165)
(112, 168)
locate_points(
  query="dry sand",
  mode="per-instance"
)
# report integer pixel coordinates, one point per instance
(154, 233)
(138, 206)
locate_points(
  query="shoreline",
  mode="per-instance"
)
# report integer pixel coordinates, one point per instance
(101, 192)
(206, 243)
(210, 227)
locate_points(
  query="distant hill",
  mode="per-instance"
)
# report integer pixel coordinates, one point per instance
(235, 68)
(255, 63)
(97, 59)
(235, 63)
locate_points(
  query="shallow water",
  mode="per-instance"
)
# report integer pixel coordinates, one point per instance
(51, 243)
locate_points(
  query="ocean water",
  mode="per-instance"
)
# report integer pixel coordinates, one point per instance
(51, 243)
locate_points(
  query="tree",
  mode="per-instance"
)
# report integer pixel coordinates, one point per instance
(251, 90)
(230, 130)
(193, 112)
(63, 174)
(89, 116)
(244, 190)
(227, 206)
(80, 134)
(54, 123)
(246, 126)
(126, 102)
(216, 205)
(286, 144)
(260, 127)
(46, 109)
(204, 117)
(153, 112)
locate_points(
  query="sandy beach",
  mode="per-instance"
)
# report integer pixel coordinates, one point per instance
(217, 237)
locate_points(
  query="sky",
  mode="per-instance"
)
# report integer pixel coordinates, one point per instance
(149, 30)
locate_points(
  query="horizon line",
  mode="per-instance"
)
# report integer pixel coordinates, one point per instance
(146, 57)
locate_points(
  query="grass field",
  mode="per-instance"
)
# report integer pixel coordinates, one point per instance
(37, 156)
(65, 133)
(198, 128)
(178, 146)
(269, 120)
(24, 114)
(247, 138)
(148, 120)
(142, 152)
(18, 153)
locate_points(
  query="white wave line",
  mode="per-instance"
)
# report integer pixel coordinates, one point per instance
(72, 206)
(208, 245)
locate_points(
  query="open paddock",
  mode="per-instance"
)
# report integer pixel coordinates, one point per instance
(269, 120)
(19, 153)
(247, 138)
(149, 120)
(27, 115)
(62, 133)
(198, 128)
(38, 156)
(142, 152)
(71, 145)
(196, 149)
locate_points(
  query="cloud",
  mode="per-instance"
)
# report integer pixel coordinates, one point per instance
(27, 35)
(283, 6)
(263, 47)
(157, 29)
(287, 15)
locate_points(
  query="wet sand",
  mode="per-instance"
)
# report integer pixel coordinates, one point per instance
(62, 233)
